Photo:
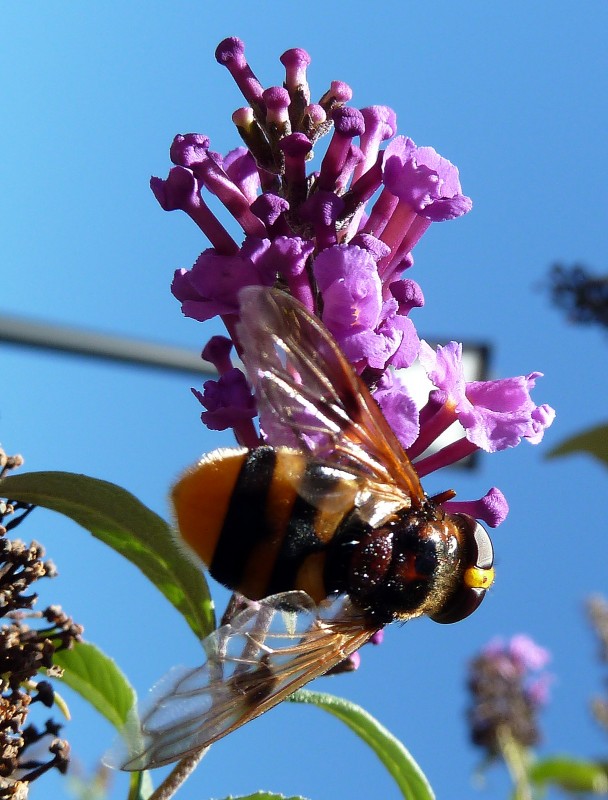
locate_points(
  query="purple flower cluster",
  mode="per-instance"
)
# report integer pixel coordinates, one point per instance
(523, 659)
(339, 240)
(508, 685)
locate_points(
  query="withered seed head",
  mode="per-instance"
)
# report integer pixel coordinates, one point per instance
(24, 651)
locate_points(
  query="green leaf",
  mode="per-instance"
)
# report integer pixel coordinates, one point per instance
(570, 774)
(140, 786)
(265, 796)
(97, 679)
(396, 758)
(594, 442)
(117, 518)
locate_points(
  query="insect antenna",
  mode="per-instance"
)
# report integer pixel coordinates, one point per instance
(443, 497)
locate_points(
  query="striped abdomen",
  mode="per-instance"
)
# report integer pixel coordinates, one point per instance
(262, 520)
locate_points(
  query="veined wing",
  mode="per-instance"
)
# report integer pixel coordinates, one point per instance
(310, 398)
(266, 652)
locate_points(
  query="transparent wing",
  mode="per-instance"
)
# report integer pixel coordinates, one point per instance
(266, 652)
(310, 398)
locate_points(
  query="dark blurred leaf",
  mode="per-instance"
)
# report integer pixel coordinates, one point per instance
(396, 758)
(570, 774)
(594, 442)
(582, 294)
(117, 518)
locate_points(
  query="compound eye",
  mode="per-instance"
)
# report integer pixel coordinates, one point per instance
(476, 542)
(478, 572)
(480, 544)
(460, 605)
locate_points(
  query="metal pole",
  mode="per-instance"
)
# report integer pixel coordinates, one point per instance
(64, 339)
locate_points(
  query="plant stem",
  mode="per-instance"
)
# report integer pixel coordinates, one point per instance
(515, 757)
(178, 775)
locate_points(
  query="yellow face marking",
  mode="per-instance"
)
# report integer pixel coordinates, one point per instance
(477, 578)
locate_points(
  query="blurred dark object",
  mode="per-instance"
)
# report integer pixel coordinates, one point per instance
(597, 608)
(507, 686)
(582, 295)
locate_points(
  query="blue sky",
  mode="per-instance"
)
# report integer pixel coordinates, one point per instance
(514, 94)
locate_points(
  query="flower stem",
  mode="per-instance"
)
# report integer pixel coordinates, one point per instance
(515, 757)
(178, 775)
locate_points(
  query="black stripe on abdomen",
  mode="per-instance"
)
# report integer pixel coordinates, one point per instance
(336, 574)
(245, 521)
(301, 539)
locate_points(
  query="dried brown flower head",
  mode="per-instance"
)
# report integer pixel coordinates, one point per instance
(25, 650)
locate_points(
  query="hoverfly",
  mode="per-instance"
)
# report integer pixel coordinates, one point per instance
(330, 535)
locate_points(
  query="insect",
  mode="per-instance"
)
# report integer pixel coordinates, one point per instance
(330, 535)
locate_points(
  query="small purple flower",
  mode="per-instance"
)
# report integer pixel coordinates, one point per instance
(495, 414)
(181, 190)
(352, 299)
(538, 689)
(396, 327)
(370, 331)
(228, 401)
(423, 179)
(290, 254)
(519, 657)
(350, 664)
(377, 637)
(217, 351)
(212, 286)
(399, 409)
(408, 295)
(492, 508)
(525, 652)
(240, 166)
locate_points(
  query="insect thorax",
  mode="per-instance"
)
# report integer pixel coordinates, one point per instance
(407, 567)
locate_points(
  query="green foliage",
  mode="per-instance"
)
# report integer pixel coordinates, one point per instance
(117, 518)
(594, 442)
(140, 786)
(573, 775)
(97, 679)
(396, 758)
(265, 796)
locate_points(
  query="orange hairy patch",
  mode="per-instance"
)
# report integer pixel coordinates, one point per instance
(201, 498)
